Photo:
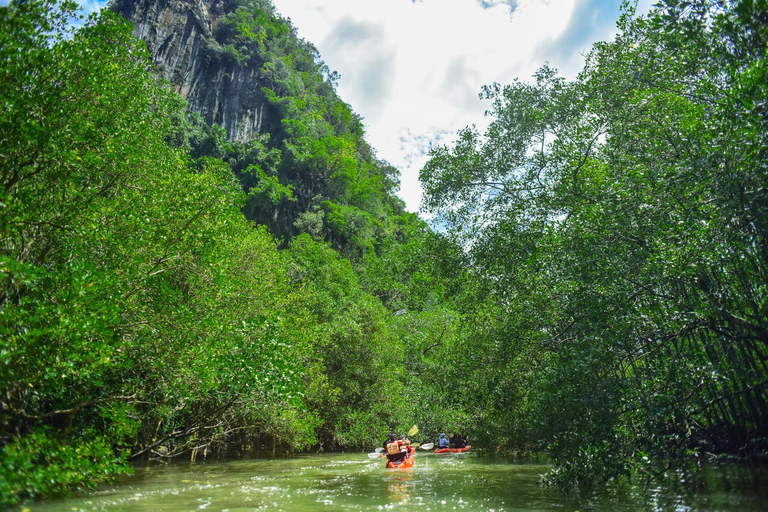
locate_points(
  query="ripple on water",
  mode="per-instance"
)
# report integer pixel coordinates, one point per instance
(354, 482)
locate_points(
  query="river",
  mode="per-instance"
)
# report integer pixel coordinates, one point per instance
(437, 482)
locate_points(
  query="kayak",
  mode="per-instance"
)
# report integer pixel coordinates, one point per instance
(453, 450)
(407, 462)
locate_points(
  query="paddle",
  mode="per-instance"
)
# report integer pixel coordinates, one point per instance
(427, 446)
(414, 430)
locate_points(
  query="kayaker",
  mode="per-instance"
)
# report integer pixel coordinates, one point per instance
(461, 441)
(444, 441)
(392, 448)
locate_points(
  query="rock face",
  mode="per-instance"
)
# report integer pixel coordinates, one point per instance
(179, 36)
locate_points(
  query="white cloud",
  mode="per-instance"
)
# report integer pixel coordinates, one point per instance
(413, 69)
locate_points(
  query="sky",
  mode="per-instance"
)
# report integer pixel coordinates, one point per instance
(413, 69)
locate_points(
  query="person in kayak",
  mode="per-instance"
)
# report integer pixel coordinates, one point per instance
(460, 442)
(444, 441)
(393, 446)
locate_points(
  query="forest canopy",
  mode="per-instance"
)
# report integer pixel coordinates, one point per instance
(598, 292)
(143, 312)
(618, 222)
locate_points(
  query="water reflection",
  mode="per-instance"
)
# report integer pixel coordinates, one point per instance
(399, 485)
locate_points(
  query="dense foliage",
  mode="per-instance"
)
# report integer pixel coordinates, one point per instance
(138, 307)
(599, 292)
(141, 313)
(618, 225)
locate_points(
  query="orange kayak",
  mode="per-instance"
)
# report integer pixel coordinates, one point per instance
(407, 462)
(453, 450)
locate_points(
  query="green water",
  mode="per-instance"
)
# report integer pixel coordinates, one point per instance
(437, 482)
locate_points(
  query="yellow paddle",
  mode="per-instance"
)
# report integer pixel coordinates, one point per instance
(414, 430)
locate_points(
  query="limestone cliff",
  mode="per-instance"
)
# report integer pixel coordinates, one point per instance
(179, 36)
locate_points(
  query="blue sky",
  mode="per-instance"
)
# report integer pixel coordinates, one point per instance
(413, 69)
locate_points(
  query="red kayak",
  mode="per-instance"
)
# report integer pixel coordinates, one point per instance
(407, 462)
(453, 450)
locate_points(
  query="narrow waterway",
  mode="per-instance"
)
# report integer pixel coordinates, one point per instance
(436, 482)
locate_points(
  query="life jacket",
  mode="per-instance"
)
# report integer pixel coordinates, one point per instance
(393, 448)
